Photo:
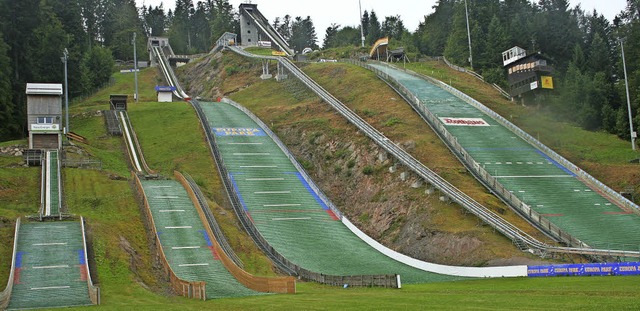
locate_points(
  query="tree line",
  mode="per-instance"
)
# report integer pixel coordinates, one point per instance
(584, 48)
(97, 34)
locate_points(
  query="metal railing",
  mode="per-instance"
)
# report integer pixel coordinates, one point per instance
(5, 295)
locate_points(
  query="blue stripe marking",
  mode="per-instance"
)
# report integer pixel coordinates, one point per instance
(310, 190)
(235, 186)
(558, 165)
(206, 237)
(19, 259)
(81, 256)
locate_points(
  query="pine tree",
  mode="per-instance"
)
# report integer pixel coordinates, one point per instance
(8, 124)
(375, 31)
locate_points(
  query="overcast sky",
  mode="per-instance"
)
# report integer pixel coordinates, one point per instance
(345, 12)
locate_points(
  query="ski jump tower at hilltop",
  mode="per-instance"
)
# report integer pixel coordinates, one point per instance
(254, 28)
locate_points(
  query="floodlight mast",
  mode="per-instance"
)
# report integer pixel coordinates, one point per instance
(135, 67)
(361, 23)
(65, 59)
(626, 83)
(468, 34)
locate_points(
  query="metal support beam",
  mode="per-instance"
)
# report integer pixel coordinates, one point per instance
(265, 70)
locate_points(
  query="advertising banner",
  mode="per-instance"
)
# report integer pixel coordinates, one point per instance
(602, 269)
(226, 131)
(547, 82)
(464, 121)
(45, 127)
(160, 88)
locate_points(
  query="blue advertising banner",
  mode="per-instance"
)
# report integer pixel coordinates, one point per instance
(160, 88)
(613, 268)
(238, 131)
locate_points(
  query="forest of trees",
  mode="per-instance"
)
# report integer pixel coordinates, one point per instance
(97, 33)
(584, 46)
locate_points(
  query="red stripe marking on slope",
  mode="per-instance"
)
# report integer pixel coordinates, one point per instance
(215, 254)
(16, 276)
(83, 272)
(333, 216)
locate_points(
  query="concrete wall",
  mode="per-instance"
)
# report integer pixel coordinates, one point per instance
(249, 32)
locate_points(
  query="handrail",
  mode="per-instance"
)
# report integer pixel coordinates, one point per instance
(94, 291)
(285, 285)
(5, 295)
(190, 289)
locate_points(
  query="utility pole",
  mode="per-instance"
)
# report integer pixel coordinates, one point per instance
(466, 9)
(361, 24)
(626, 83)
(65, 58)
(135, 67)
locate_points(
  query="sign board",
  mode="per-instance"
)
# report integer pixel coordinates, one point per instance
(464, 121)
(278, 53)
(547, 82)
(534, 85)
(160, 88)
(129, 70)
(45, 127)
(235, 131)
(612, 268)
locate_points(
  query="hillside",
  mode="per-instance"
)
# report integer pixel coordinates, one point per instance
(354, 172)
(125, 267)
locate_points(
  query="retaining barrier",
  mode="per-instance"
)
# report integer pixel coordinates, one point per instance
(94, 291)
(189, 289)
(5, 295)
(283, 285)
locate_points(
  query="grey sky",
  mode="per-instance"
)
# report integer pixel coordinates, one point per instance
(345, 12)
